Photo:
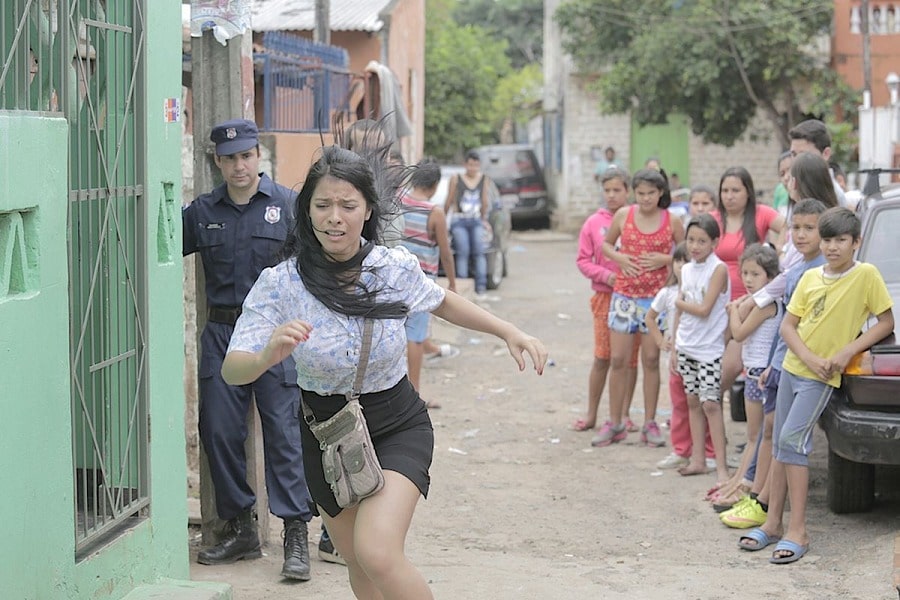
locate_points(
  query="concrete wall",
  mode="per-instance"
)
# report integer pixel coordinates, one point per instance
(35, 433)
(406, 58)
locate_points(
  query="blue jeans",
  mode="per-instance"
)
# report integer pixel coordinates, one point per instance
(468, 242)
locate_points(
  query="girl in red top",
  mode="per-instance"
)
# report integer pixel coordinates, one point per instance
(742, 222)
(646, 234)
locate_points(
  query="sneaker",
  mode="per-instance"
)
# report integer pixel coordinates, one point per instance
(744, 515)
(672, 461)
(711, 464)
(630, 427)
(609, 434)
(327, 551)
(651, 435)
(733, 461)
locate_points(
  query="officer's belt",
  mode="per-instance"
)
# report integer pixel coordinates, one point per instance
(224, 314)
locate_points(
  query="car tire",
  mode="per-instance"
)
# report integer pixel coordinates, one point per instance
(851, 485)
(495, 270)
(736, 402)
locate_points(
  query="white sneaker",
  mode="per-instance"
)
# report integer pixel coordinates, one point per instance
(672, 461)
(710, 463)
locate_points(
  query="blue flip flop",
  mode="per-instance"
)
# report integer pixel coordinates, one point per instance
(759, 536)
(797, 551)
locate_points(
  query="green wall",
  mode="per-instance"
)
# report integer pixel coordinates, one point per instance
(669, 143)
(38, 550)
(35, 432)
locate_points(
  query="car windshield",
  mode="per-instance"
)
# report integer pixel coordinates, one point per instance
(511, 169)
(881, 245)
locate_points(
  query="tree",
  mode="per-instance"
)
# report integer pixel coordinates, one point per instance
(463, 65)
(519, 22)
(716, 61)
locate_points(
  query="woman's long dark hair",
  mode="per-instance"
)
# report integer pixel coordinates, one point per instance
(813, 178)
(338, 284)
(748, 227)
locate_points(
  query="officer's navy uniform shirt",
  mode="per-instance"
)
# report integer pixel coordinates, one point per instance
(237, 242)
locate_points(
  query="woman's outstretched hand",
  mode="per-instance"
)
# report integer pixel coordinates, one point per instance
(520, 343)
(283, 341)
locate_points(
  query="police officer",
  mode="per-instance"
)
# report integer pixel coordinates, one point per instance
(239, 229)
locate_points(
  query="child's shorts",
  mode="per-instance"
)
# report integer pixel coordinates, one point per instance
(702, 379)
(752, 391)
(417, 327)
(600, 309)
(771, 391)
(626, 315)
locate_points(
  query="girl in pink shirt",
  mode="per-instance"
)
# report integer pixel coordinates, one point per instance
(602, 272)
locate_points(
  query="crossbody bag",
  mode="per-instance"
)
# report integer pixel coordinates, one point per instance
(349, 461)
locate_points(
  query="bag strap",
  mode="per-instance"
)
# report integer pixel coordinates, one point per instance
(356, 390)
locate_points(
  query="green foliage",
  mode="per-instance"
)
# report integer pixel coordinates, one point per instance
(519, 94)
(519, 22)
(715, 61)
(463, 65)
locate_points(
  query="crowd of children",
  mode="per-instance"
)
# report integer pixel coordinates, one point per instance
(739, 288)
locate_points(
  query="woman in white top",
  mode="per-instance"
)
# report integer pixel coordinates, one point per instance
(313, 306)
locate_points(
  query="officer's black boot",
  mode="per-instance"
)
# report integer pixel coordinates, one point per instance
(296, 550)
(241, 541)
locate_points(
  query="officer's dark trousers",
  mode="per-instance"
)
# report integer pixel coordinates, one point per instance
(223, 430)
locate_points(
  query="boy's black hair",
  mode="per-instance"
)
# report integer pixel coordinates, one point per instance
(472, 155)
(707, 223)
(702, 188)
(839, 221)
(812, 130)
(425, 175)
(809, 206)
(763, 255)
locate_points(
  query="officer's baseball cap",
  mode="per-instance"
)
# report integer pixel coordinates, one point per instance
(237, 135)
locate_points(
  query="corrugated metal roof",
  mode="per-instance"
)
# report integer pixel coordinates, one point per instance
(299, 15)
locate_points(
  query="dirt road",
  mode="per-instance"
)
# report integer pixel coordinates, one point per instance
(521, 507)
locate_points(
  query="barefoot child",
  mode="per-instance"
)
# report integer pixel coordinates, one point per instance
(700, 340)
(664, 305)
(602, 272)
(648, 233)
(821, 328)
(755, 333)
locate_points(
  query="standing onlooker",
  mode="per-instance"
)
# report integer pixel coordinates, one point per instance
(609, 160)
(314, 306)
(663, 306)
(426, 237)
(602, 272)
(822, 331)
(700, 341)
(239, 229)
(812, 136)
(780, 195)
(467, 200)
(648, 233)
(742, 222)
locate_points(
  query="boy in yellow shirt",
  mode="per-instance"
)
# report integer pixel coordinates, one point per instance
(821, 329)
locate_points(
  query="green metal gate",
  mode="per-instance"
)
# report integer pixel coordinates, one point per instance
(83, 58)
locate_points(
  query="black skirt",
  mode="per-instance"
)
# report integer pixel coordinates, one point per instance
(401, 433)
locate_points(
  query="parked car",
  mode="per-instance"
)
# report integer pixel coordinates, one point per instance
(862, 420)
(516, 171)
(496, 241)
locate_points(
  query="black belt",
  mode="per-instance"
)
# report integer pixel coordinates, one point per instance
(224, 314)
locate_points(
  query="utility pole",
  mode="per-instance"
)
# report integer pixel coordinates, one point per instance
(322, 31)
(866, 52)
(222, 89)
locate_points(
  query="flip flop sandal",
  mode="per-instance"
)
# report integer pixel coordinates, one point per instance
(759, 536)
(796, 552)
(581, 425)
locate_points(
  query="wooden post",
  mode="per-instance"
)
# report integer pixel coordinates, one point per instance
(222, 89)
